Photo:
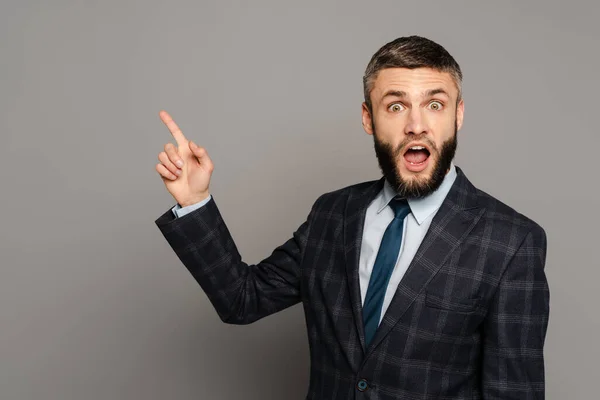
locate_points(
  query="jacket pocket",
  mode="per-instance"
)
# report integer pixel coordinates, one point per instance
(461, 305)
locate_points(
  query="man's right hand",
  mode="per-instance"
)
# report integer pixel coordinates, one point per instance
(185, 169)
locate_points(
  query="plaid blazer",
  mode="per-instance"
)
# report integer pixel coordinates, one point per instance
(467, 321)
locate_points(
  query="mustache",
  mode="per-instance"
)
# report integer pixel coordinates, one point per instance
(424, 139)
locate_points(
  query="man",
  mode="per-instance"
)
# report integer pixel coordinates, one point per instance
(414, 286)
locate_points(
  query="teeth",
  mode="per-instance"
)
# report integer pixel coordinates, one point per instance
(417, 148)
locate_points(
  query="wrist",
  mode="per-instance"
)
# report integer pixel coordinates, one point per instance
(194, 200)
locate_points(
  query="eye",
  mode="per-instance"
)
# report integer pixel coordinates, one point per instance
(396, 107)
(436, 105)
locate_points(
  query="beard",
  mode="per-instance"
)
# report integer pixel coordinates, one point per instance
(418, 186)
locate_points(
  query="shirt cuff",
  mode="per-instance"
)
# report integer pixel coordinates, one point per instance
(179, 211)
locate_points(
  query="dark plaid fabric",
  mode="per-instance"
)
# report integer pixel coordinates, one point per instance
(467, 321)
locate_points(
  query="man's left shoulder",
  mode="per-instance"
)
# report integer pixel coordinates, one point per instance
(507, 217)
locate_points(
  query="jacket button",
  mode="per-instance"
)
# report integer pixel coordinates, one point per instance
(362, 385)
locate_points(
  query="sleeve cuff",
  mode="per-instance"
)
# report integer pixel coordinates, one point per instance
(179, 211)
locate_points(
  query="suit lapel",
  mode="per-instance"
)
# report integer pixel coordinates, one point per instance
(454, 220)
(354, 220)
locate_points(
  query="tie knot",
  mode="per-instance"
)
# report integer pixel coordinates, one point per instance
(400, 207)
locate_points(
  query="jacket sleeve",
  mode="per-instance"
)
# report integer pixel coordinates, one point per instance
(515, 327)
(240, 293)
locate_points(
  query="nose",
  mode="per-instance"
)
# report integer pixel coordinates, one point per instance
(416, 123)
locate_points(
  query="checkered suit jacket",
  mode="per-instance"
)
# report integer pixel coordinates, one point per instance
(467, 321)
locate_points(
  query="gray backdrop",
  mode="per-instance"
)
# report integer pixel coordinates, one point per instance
(93, 302)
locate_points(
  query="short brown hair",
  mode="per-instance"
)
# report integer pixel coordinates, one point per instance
(411, 52)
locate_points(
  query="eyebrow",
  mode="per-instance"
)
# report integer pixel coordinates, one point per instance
(433, 92)
(401, 93)
(395, 93)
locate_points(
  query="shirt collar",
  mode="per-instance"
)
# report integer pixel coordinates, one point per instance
(422, 208)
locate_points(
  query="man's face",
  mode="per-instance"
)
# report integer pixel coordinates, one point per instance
(414, 122)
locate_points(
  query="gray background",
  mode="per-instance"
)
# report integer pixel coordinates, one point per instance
(95, 305)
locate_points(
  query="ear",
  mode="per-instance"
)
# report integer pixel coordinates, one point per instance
(367, 120)
(460, 111)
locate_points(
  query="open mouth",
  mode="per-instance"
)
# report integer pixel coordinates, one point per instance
(417, 154)
(416, 157)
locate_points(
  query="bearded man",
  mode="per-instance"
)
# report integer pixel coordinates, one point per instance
(414, 286)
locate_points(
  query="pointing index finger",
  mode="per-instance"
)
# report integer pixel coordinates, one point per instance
(173, 128)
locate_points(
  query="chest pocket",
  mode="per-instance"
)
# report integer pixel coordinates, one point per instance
(459, 305)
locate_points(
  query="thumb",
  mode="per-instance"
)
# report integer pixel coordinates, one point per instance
(198, 151)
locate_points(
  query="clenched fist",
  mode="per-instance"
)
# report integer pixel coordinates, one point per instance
(185, 169)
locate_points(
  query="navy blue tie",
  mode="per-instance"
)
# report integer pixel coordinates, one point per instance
(383, 267)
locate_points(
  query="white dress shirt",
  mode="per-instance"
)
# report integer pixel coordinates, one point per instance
(378, 217)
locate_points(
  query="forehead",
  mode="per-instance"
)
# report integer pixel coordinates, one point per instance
(414, 82)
